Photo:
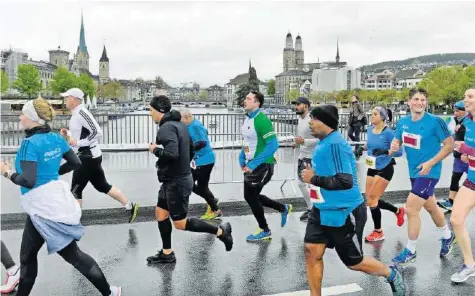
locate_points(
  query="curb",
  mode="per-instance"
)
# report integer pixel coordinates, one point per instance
(12, 221)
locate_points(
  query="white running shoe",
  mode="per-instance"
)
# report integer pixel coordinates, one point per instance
(116, 291)
(13, 279)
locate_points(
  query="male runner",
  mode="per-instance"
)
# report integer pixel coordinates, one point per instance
(257, 162)
(307, 143)
(83, 136)
(174, 172)
(338, 217)
(203, 163)
(421, 134)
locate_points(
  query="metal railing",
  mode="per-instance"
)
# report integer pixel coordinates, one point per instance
(120, 129)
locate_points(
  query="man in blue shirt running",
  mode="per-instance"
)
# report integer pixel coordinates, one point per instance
(339, 214)
(202, 164)
(422, 134)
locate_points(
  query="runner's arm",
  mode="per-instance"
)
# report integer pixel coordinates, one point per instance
(443, 134)
(95, 131)
(242, 158)
(390, 136)
(265, 130)
(72, 162)
(343, 177)
(169, 141)
(27, 178)
(465, 149)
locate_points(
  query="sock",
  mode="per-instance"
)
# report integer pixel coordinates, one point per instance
(451, 201)
(376, 214)
(445, 232)
(197, 225)
(165, 228)
(13, 270)
(386, 206)
(392, 275)
(128, 206)
(411, 245)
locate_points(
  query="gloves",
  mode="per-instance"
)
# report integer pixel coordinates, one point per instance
(158, 152)
(359, 150)
(380, 151)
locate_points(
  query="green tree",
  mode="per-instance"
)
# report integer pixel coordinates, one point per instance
(86, 84)
(245, 88)
(160, 83)
(293, 95)
(112, 90)
(28, 81)
(203, 95)
(4, 82)
(62, 81)
(271, 87)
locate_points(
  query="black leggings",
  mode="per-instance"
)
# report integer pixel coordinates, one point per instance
(454, 183)
(7, 259)
(32, 242)
(89, 171)
(253, 185)
(201, 176)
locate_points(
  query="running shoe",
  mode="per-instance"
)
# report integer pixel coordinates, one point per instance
(160, 257)
(212, 215)
(445, 204)
(259, 235)
(285, 214)
(405, 257)
(133, 212)
(400, 216)
(208, 212)
(375, 236)
(446, 245)
(463, 274)
(116, 291)
(398, 286)
(12, 280)
(226, 237)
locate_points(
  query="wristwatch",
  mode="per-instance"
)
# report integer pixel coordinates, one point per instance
(7, 174)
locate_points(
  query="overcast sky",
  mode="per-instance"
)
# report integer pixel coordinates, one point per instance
(211, 42)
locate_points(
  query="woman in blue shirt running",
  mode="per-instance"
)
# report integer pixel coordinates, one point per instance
(53, 213)
(380, 163)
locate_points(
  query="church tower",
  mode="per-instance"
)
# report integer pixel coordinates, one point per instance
(104, 67)
(289, 53)
(337, 58)
(82, 55)
(299, 57)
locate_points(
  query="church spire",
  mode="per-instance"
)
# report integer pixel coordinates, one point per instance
(104, 57)
(337, 51)
(82, 38)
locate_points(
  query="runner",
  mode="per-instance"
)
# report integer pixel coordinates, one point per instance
(307, 143)
(13, 271)
(202, 164)
(465, 200)
(257, 162)
(458, 131)
(53, 213)
(339, 214)
(380, 163)
(83, 136)
(174, 172)
(421, 134)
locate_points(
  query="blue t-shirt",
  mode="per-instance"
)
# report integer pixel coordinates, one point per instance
(47, 151)
(469, 140)
(331, 156)
(422, 141)
(198, 133)
(383, 141)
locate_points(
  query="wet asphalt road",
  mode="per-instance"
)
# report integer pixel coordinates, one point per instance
(204, 268)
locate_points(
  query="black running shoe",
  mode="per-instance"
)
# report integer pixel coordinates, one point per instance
(304, 216)
(226, 237)
(160, 257)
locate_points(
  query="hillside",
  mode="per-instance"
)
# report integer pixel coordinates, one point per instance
(444, 58)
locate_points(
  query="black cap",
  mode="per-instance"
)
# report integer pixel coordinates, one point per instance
(161, 103)
(302, 100)
(328, 114)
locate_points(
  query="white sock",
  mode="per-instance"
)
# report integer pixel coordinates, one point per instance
(13, 270)
(411, 245)
(128, 206)
(445, 231)
(306, 195)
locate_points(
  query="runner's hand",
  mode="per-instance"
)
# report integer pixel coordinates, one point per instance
(395, 146)
(425, 168)
(246, 169)
(457, 145)
(299, 140)
(464, 158)
(307, 174)
(63, 132)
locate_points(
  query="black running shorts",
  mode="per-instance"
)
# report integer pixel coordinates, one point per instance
(385, 173)
(174, 196)
(347, 239)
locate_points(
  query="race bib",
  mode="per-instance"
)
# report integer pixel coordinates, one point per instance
(193, 164)
(315, 194)
(411, 140)
(471, 163)
(370, 162)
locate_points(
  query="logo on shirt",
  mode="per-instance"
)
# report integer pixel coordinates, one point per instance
(53, 154)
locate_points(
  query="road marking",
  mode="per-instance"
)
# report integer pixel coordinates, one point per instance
(328, 291)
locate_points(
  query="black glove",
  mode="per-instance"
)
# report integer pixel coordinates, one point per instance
(380, 151)
(359, 150)
(158, 152)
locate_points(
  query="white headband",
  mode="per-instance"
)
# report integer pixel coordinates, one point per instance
(30, 112)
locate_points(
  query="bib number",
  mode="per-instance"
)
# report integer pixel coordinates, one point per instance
(371, 162)
(411, 140)
(315, 194)
(471, 163)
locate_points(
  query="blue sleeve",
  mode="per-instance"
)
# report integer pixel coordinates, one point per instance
(271, 147)
(340, 159)
(441, 129)
(398, 134)
(199, 134)
(28, 152)
(242, 158)
(390, 136)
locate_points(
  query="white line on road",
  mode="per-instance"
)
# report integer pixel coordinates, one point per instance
(328, 291)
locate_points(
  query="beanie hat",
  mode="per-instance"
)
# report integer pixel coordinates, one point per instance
(328, 114)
